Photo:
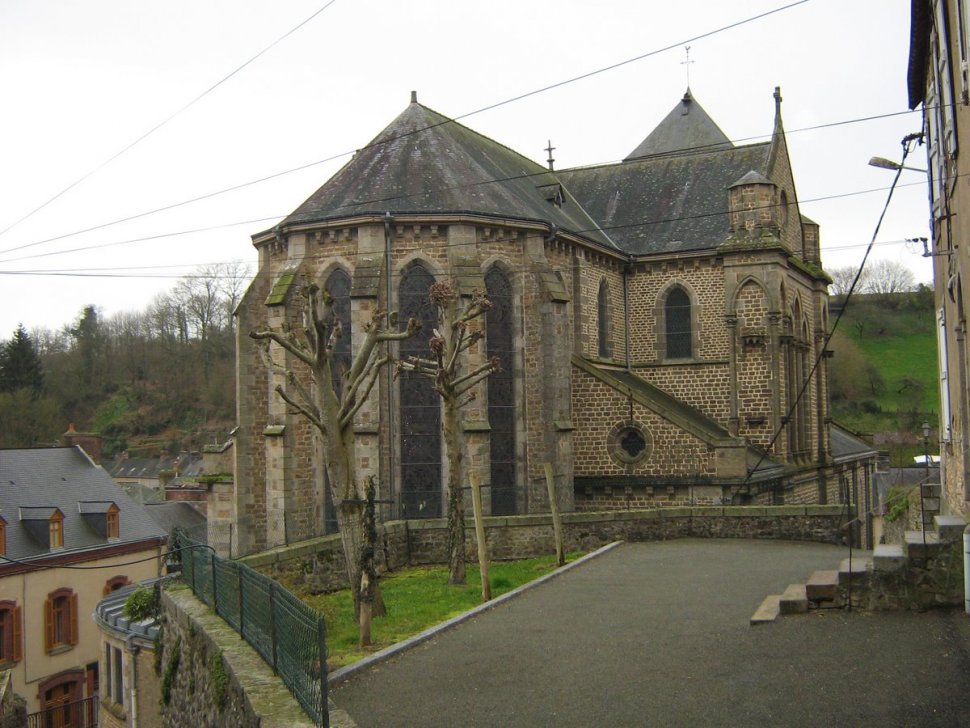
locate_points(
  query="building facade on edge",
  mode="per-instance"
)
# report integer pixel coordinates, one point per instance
(660, 323)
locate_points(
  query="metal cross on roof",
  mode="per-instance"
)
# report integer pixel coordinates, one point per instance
(687, 62)
(550, 149)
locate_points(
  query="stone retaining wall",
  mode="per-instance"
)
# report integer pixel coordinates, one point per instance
(321, 561)
(212, 677)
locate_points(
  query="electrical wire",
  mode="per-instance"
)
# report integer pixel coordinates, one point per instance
(416, 131)
(165, 121)
(47, 567)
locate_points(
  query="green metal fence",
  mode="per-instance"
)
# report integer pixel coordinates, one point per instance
(286, 633)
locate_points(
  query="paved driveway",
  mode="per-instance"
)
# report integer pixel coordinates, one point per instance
(657, 634)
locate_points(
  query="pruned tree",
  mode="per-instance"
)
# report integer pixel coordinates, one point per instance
(451, 340)
(330, 409)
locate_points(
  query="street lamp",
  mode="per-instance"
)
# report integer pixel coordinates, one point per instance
(884, 163)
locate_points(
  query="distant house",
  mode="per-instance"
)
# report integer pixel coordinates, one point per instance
(68, 537)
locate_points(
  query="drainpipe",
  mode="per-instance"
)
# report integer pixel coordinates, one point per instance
(132, 650)
(627, 270)
(966, 569)
(389, 378)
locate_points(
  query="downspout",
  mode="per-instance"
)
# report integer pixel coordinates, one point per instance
(389, 378)
(627, 270)
(132, 650)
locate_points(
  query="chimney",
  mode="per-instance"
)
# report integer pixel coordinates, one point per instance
(90, 442)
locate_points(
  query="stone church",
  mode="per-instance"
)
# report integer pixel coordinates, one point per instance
(660, 322)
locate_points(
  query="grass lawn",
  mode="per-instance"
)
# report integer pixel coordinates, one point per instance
(416, 597)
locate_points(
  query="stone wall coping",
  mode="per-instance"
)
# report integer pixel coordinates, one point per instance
(265, 693)
(308, 549)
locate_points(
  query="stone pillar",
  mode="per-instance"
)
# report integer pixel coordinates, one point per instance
(734, 419)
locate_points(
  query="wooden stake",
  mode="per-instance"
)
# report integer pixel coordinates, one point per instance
(554, 508)
(480, 535)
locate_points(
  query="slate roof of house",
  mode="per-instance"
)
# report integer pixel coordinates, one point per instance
(111, 613)
(426, 163)
(64, 478)
(178, 514)
(687, 126)
(187, 465)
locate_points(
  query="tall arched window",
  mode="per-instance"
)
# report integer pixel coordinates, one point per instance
(677, 325)
(420, 409)
(603, 318)
(337, 286)
(501, 394)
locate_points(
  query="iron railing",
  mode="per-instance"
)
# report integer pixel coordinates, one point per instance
(76, 714)
(287, 634)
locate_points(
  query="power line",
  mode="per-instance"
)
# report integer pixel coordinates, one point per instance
(400, 197)
(167, 120)
(417, 131)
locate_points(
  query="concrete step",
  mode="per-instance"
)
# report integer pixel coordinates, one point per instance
(949, 528)
(854, 569)
(794, 600)
(822, 586)
(888, 557)
(921, 544)
(768, 611)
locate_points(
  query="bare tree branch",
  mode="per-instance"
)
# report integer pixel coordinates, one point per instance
(285, 343)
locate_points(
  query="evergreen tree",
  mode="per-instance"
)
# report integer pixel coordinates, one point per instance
(20, 366)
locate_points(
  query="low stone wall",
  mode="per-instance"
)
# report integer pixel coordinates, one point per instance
(320, 562)
(211, 677)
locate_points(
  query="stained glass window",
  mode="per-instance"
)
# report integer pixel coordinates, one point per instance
(420, 407)
(499, 328)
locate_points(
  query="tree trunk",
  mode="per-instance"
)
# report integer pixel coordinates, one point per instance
(456, 504)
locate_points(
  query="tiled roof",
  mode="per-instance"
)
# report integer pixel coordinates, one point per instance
(63, 478)
(426, 163)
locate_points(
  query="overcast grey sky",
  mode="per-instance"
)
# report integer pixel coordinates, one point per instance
(80, 81)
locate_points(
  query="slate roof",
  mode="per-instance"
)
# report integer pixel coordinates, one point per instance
(426, 163)
(48, 478)
(110, 612)
(668, 203)
(844, 444)
(179, 514)
(687, 126)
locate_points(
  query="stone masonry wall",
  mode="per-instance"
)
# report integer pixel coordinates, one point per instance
(424, 542)
(216, 679)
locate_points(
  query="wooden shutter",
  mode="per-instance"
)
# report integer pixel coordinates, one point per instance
(48, 624)
(18, 638)
(72, 620)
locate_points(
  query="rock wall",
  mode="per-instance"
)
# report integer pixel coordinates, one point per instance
(320, 562)
(210, 677)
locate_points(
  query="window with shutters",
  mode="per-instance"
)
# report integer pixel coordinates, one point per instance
(11, 638)
(114, 584)
(60, 620)
(59, 700)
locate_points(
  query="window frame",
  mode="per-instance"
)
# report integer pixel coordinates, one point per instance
(56, 533)
(11, 631)
(60, 620)
(112, 522)
(683, 337)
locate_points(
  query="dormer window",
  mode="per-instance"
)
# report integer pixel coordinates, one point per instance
(45, 525)
(103, 517)
(56, 530)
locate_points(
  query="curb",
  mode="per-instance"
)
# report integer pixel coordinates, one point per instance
(345, 673)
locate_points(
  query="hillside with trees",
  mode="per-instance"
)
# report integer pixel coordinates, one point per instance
(884, 376)
(161, 379)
